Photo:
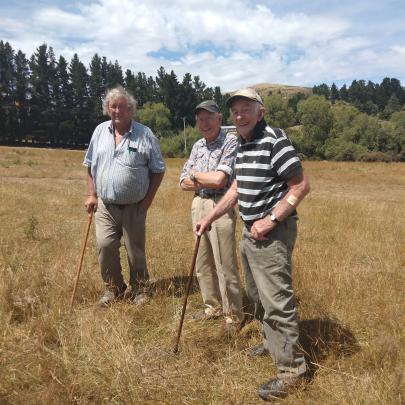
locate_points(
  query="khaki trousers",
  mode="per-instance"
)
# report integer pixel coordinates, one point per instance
(267, 268)
(114, 222)
(216, 265)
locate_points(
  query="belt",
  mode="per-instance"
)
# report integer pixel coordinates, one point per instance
(202, 194)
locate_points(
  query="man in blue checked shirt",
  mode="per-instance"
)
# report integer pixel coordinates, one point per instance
(124, 171)
(209, 173)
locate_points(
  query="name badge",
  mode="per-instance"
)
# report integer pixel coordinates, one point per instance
(132, 147)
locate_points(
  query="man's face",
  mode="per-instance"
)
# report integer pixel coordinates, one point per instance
(120, 113)
(245, 115)
(208, 124)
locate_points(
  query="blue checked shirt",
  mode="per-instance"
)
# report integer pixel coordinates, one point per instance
(210, 157)
(121, 174)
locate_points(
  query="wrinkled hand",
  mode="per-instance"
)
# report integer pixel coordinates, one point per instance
(144, 204)
(91, 203)
(261, 228)
(201, 226)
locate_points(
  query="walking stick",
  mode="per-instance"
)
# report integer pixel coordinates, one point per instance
(190, 281)
(79, 266)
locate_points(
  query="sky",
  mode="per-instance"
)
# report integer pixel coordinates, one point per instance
(227, 43)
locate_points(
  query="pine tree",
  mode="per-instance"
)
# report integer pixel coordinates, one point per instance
(7, 89)
(41, 105)
(22, 94)
(79, 80)
(334, 93)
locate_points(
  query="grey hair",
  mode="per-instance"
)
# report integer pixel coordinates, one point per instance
(116, 93)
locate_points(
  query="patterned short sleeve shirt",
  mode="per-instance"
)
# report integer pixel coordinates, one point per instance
(218, 155)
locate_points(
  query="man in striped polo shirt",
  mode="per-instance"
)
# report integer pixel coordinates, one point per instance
(269, 185)
(124, 171)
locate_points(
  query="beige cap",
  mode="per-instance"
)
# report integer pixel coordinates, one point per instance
(248, 93)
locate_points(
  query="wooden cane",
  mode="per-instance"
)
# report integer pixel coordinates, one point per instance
(190, 281)
(79, 266)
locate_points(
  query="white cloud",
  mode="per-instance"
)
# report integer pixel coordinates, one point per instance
(252, 43)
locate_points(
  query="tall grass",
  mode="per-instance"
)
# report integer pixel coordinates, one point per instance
(349, 267)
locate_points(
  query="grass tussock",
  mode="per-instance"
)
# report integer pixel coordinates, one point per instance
(349, 267)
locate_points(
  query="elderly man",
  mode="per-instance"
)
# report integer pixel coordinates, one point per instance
(269, 185)
(125, 169)
(208, 173)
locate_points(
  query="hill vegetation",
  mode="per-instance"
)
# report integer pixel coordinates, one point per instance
(50, 102)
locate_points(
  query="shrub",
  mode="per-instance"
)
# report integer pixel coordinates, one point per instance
(375, 157)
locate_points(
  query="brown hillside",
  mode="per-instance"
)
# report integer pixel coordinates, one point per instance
(265, 88)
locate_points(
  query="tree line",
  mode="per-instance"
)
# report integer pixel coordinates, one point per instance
(49, 101)
(52, 102)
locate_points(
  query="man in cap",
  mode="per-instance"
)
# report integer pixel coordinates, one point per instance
(208, 173)
(269, 185)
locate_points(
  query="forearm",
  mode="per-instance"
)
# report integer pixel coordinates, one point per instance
(91, 190)
(154, 183)
(227, 202)
(298, 189)
(214, 180)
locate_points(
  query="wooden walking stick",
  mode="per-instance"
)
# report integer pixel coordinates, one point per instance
(190, 281)
(79, 266)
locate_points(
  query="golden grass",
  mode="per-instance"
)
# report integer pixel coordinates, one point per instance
(349, 267)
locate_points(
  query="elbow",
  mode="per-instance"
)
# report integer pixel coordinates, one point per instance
(220, 180)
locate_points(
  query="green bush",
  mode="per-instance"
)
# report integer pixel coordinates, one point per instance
(342, 150)
(375, 157)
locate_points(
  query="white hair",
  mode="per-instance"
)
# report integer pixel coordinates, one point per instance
(116, 93)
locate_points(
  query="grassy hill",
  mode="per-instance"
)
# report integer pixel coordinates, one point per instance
(265, 88)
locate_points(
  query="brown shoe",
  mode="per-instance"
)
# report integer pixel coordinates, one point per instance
(278, 387)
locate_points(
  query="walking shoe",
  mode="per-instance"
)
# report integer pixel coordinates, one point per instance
(140, 299)
(258, 351)
(231, 327)
(277, 387)
(137, 295)
(111, 294)
(207, 314)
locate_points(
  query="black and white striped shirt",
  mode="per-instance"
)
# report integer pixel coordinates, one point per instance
(264, 164)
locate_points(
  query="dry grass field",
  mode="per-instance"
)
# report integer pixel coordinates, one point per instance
(349, 276)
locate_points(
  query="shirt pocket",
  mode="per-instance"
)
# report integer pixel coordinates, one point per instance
(132, 156)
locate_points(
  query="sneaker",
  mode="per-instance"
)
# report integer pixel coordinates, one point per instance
(277, 388)
(231, 327)
(258, 351)
(206, 314)
(140, 299)
(110, 295)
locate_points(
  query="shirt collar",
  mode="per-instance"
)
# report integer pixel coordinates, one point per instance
(219, 139)
(111, 128)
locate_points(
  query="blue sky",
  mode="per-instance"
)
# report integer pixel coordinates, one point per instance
(230, 43)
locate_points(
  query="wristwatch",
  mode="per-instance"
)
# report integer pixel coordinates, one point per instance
(192, 177)
(274, 218)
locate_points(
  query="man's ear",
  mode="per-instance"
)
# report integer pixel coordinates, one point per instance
(261, 113)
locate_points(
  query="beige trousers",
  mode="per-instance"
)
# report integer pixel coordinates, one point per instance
(216, 265)
(114, 222)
